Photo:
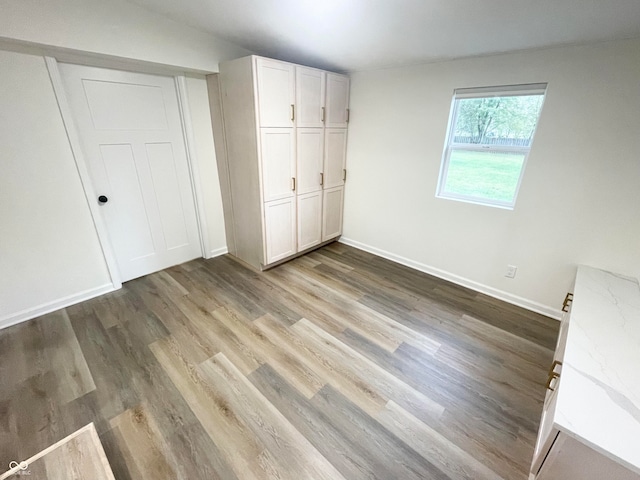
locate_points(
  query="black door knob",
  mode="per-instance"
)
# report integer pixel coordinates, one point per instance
(103, 199)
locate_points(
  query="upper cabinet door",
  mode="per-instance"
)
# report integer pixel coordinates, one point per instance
(310, 89)
(335, 155)
(277, 148)
(337, 103)
(276, 93)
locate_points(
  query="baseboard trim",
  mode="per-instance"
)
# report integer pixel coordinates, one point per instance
(49, 307)
(216, 252)
(458, 280)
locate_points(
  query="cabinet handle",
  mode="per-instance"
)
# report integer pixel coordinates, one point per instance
(293, 183)
(567, 302)
(348, 115)
(322, 114)
(293, 112)
(321, 178)
(550, 379)
(553, 366)
(344, 174)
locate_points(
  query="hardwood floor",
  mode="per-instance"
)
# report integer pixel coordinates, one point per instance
(337, 365)
(77, 456)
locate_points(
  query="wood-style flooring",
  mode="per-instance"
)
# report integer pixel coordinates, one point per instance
(337, 365)
(78, 456)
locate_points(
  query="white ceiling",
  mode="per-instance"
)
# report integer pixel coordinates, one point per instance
(365, 34)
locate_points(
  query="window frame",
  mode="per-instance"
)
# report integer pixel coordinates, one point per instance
(450, 145)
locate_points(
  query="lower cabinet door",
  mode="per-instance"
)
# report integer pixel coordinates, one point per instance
(332, 206)
(309, 220)
(546, 432)
(280, 229)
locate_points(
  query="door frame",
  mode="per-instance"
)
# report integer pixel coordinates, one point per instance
(81, 163)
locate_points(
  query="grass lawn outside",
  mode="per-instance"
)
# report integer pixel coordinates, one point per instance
(484, 175)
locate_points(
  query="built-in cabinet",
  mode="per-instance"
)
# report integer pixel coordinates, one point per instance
(590, 425)
(285, 130)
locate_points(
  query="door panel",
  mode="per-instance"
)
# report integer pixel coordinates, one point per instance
(131, 134)
(278, 162)
(332, 207)
(310, 91)
(335, 155)
(276, 92)
(165, 179)
(337, 101)
(280, 229)
(309, 220)
(310, 147)
(122, 106)
(126, 202)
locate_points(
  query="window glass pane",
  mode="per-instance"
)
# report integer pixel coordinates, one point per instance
(507, 121)
(486, 175)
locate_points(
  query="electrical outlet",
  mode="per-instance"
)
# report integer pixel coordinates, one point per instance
(511, 271)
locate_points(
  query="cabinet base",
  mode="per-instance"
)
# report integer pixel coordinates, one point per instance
(299, 254)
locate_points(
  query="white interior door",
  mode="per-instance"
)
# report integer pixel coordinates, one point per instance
(337, 103)
(131, 134)
(310, 147)
(310, 86)
(276, 92)
(335, 156)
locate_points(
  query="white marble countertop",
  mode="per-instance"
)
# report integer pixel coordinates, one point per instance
(599, 389)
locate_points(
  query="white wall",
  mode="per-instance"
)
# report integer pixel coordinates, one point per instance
(579, 198)
(113, 27)
(207, 167)
(49, 250)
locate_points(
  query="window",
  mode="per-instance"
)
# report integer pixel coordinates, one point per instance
(488, 141)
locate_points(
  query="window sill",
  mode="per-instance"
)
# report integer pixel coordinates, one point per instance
(477, 201)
